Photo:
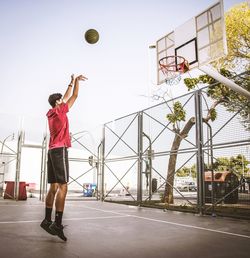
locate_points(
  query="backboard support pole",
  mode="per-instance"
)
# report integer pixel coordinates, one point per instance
(209, 70)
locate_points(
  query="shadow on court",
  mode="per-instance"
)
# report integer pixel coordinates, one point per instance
(99, 229)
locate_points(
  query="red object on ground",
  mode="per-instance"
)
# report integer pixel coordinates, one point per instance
(9, 191)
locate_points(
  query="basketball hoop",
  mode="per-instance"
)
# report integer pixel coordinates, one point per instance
(172, 67)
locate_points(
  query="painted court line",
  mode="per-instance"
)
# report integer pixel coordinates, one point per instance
(22, 205)
(70, 219)
(190, 226)
(124, 215)
(92, 218)
(176, 224)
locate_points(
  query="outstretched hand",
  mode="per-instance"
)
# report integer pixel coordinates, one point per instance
(81, 78)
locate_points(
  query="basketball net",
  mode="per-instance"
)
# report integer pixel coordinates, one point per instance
(172, 68)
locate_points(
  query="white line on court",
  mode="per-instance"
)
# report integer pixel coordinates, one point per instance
(92, 218)
(22, 205)
(122, 215)
(190, 226)
(86, 218)
(20, 221)
(174, 223)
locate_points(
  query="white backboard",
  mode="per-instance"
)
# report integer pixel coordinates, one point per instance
(200, 40)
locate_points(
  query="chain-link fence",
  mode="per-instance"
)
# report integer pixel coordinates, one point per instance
(193, 163)
(23, 159)
(197, 164)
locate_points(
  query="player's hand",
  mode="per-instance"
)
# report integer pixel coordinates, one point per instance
(72, 77)
(81, 78)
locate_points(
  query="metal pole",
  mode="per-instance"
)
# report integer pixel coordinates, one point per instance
(3, 162)
(45, 165)
(43, 182)
(102, 163)
(98, 171)
(212, 165)
(41, 174)
(2, 179)
(140, 150)
(200, 154)
(18, 165)
(209, 70)
(150, 165)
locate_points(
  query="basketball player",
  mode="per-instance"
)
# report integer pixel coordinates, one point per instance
(58, 165)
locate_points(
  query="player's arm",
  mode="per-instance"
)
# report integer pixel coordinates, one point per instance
(74, 96)
(69, 89)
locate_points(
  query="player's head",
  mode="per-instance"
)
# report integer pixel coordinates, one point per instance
(53, 98)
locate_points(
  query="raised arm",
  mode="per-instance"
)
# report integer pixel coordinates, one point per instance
(68, 92)
(74, 96)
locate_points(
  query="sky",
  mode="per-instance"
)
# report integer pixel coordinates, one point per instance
(42, 44)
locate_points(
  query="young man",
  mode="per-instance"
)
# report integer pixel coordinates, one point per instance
(58, 165)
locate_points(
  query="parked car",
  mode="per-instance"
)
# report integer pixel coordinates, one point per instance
(191, 186)
(187, 186)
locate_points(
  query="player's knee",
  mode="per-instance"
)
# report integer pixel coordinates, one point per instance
(63, 187)
(53, 188)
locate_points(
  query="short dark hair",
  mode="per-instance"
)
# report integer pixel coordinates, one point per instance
(53, 98)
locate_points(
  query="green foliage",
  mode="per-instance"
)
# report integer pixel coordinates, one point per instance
(178, 114)
(187, 171)
(162, 197)
(222, 164)
(191, 83)
(237, 21)
(213, 114)
(219, 92)
(237, 164)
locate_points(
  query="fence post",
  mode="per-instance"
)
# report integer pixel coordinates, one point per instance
(43, 178)
(102, 162)
(18, 165)
(200, 154)
(140, 150)
(98, 171)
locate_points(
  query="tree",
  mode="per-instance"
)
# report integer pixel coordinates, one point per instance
(237, 26)
(222, 164)
(238, 164)
(187, 171)
(238, 40)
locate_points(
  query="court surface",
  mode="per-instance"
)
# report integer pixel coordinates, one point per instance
(101, 229)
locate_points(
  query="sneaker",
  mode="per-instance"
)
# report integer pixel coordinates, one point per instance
(45, 225)
(58, 230)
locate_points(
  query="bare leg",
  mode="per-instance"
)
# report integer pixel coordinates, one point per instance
(56, 226)
(51, 195)
(61, 196)
(46, 223)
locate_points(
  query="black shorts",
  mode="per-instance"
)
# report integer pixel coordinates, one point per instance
(58, 165)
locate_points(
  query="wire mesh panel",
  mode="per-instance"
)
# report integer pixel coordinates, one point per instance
(24, 154)
(8, 148)
(83, 162)
(122, 137)
(226, 155)
(172, 147)
(121, 157)
(121, 180)
(188, 153)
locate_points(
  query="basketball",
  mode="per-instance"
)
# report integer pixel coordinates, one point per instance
(91, 36)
